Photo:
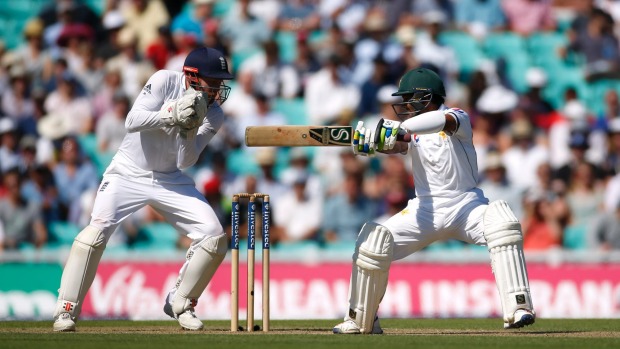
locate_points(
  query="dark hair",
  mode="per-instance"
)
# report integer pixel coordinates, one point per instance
(437, 99)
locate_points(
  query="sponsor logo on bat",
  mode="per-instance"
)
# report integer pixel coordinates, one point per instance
(332, 135)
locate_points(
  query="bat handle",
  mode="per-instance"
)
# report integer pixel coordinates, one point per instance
(403, 136)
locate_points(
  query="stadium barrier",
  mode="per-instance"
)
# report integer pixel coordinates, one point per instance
(135, 289)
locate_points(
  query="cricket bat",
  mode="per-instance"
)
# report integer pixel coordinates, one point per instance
(298, 135)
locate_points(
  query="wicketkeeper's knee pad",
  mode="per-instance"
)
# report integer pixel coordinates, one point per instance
(373, 255)
(203, 259)
(502, 232)
(80, 270)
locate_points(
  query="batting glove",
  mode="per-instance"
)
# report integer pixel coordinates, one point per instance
(363, 140)
(386, 133)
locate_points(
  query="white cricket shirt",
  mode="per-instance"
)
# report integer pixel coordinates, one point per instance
(153, 150)
(444, 166)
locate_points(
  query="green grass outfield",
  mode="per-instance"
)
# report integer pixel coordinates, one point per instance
(399, 333)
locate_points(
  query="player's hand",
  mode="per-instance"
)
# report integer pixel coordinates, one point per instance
(363, 140)
(367, 141)
(200, 111)
(386, 133)
(187, 112)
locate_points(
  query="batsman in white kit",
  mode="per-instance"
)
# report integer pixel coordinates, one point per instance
(169, 125)
(448, 205)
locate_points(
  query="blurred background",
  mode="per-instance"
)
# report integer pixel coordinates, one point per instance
(539, 78)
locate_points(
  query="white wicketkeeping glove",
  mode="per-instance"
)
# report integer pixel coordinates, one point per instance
(200, 106)
(186, 112)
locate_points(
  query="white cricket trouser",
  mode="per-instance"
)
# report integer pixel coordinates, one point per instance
(183, 206)
(423, 222)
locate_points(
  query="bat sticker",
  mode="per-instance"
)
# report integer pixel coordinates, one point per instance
(332, 135)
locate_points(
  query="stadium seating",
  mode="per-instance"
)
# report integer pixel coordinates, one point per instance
(20, 9)
(293, 109)
(598, 89)
(237, 58)
(563, 78)
(96, 5)
(241, 162)
(101, 160)
(497, 45)
(13, 17)
(545, 45)
(516, 67)
(287, 43)
(62, 233)
(575, 237)
(221, 7)
(298, 249)
(467, 51)
(156, 236)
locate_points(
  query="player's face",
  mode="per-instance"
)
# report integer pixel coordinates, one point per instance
(215, 89)
(413, 104)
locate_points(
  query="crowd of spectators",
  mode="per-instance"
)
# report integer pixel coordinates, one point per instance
(538, 78)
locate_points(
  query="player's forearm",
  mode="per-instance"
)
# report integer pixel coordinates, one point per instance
(142, 120)
(431, 122)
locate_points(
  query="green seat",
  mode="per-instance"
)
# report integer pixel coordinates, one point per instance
(287, 44)
(498, 45)
(296, 246)
(222, 7)
(542, 45)
(157, 235)
(12, 31)
(102, 161)
(341, 247)
(598, 89)
(561, 78)
(21, 9)
(467, 51)
(448, 245)
(296, 250)
(237, 58)
(316, 36)
(294, 109)
(88, 143)
(62, 233)
(575, 237)
(516, 67)
(457, 39)
(96, 5)
(26, 247)
(90, 148)
(241, 163)
(282, 160)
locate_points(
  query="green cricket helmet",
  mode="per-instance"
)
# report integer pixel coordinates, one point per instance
(418, 87)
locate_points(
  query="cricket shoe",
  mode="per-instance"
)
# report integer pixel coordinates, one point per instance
(523, 317)
(350, 327)
(187, 319)
(64, 323)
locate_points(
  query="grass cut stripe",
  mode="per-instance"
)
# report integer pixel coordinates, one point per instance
(302, 334)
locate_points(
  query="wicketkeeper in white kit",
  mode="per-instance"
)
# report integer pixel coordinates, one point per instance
(169, 125)
(448, 205)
